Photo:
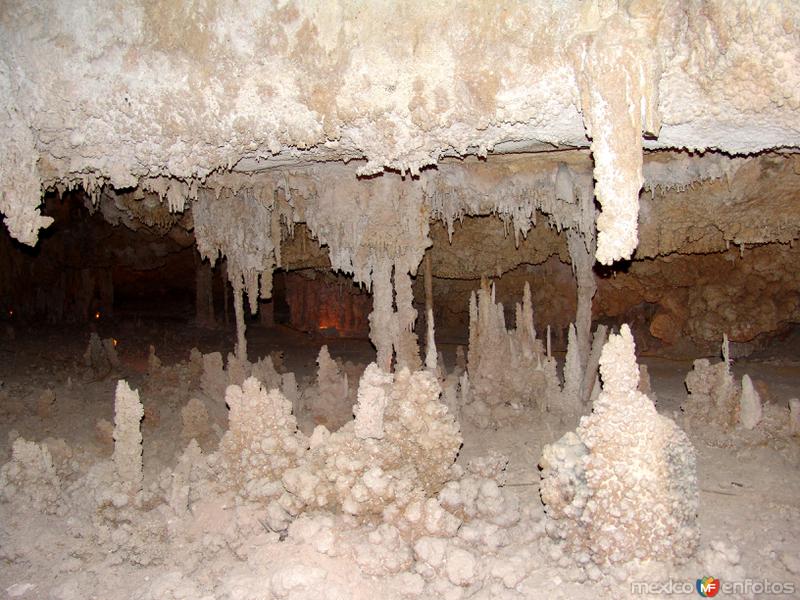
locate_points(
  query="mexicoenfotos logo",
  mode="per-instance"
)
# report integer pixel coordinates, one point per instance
(708, 587)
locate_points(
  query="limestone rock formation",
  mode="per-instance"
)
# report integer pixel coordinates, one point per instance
(100, 356)
(328, 402)
(749, 404)
(29, 479)
(262, 441)
(128, 413)
(362, 474)
(794, 416)
(713, 395)
(623, 486)
(373, 393)
(195, 421)
(508, 369)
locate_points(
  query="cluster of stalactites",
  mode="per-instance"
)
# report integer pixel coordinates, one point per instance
(366, 224)
(377, 230)
(246, 230)
(561, 192)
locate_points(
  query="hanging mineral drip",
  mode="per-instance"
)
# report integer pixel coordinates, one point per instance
(240, 229)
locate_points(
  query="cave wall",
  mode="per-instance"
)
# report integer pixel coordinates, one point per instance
(678, 305)
(325, 304)
(84, 267)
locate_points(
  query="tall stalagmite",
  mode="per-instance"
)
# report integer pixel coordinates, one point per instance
(128, 413)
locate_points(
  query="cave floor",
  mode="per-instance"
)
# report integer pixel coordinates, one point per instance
(749, 496)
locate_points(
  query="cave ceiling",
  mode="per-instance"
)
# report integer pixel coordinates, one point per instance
(677, 118)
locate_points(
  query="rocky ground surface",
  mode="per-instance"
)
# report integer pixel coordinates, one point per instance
(66, 533)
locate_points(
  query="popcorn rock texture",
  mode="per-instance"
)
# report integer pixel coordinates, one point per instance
(373, 392)
(623, 486)
(363, 475)
(262, 440)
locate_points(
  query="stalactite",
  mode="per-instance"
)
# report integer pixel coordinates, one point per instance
(369, 227)
(240, 228)
(619, 98)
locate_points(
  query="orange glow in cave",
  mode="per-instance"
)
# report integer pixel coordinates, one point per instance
(327, 323)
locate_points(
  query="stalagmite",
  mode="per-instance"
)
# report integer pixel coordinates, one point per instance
(428, 274)
(590, 374)
(262, 439)
(100, 356)
(572, 396)
(428, 282)
(749, 404)
(726, 351)
(549, 352)
(713, 395)
(128, 413)
(582, 259)
(328, 402)
(431, 357)
(30, 478)
(623, 486)
(373, 394)
(505, 367)
(794, 416)
(241, 328)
